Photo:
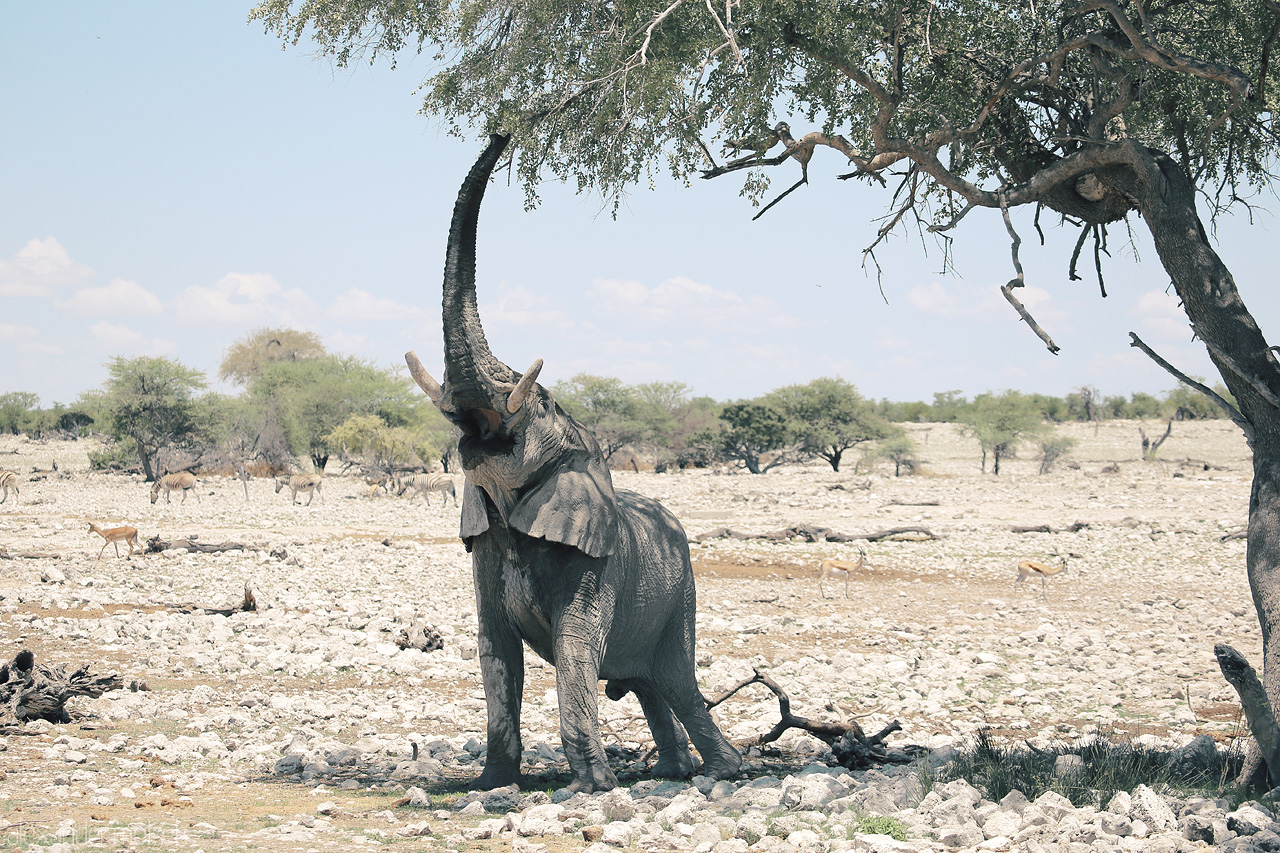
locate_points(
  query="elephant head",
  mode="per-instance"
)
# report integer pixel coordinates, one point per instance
(539, 469)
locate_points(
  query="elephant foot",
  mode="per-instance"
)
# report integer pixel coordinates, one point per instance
(724, 766)
(678, 766)
(596, 779)
(496, 777)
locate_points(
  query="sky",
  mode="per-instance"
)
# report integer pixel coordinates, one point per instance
(173, 179)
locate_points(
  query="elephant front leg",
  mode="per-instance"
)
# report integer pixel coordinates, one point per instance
(577, 674)
(502, 670)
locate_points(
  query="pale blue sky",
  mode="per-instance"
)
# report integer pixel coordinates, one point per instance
(172, 179)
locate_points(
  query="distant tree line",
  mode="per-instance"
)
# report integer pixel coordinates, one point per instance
(299, 406)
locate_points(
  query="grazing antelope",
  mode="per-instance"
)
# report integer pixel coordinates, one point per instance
(835, 568)
(183, 480)
(377, 481)
(428, 483)
(116, 535)
(301, 483)
(9, 480)
(1032, 569)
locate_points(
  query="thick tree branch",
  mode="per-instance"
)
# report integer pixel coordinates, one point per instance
(1020, 281)
(1232, 412)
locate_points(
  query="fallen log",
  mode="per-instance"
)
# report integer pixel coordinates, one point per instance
(852, 748)
(1253, 700)
(155, 545)
(1076, 527)
(248, 604)
(29, 555)
(813, 533)
(31, 691)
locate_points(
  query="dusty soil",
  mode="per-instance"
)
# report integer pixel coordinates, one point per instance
(1125, 635)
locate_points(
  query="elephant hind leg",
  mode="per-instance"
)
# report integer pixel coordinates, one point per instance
(674, 760)
(719, 758)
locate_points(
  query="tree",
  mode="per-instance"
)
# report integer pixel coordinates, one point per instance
(900, 449)
(247, 356)
(305, 400)
(753, 429)
(607, 407)
(151, 403)
(15, 409)
(1089, 109)
(831, 417)
(1053, 448)
(674, 421)
(1000, 422)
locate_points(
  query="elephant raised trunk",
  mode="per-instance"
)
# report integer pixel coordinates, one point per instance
(475, 381)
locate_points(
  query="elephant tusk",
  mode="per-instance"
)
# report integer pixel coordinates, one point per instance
(516, 400)
(419, 373)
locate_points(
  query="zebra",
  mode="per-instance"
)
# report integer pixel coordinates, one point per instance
(183, 480)
(301, 483)
(428, 483)
(9, 480)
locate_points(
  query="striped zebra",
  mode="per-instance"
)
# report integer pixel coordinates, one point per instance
(9, 480)
(425, 484)
(182, 480)
(301, 483)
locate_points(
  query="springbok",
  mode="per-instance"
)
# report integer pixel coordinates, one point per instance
(116, 535)
(301, 483)
(835, 568)
(9, 480)
(182, 480)
(1032, 569)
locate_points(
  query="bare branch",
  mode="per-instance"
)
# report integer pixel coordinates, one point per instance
(733, 45)
(1020, 281)
(643, 52)
(1256, 384)
(1232, 412)
(785, 193)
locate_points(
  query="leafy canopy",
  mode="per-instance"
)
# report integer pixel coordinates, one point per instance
(966, 95)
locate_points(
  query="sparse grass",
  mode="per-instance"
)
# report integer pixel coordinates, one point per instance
(879, 825)
(1111, 763)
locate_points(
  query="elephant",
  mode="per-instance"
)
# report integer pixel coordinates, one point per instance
(597, 581)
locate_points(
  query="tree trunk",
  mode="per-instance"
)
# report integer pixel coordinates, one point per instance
(834, 458)
(1166, 199)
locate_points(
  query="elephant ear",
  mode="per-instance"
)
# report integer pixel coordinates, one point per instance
(475, 516)
(575, 506)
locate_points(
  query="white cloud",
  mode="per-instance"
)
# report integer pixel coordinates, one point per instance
(1160, 315)
(251, 299)
(120, 298)
(357, 304)
(121, 340)
(519, 306)
(26, 340)
(39, 268)
(950, 298)
(683, 301)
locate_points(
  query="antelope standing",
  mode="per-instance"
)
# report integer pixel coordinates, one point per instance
(835, 568)
(9, 480)
(425, 484)
(183, 480)
(1032, 569)
(301, 483)
(114, 536)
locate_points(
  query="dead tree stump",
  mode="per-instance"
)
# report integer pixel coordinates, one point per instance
(31, 691)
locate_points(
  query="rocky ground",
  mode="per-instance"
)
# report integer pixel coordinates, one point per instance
(296, 726)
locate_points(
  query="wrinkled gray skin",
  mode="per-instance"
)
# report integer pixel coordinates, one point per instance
(597, 582)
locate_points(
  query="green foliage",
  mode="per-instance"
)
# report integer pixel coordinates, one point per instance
(603, 93)
(830, 417)
(261, 347)
(1053, 448)
(607, 407)
(152, 403)
(379, 447)
(899, 449)
(672, 421)
(1000, 423)
(880, 825)
(751, 430)
(16, 410)
(306, 400)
